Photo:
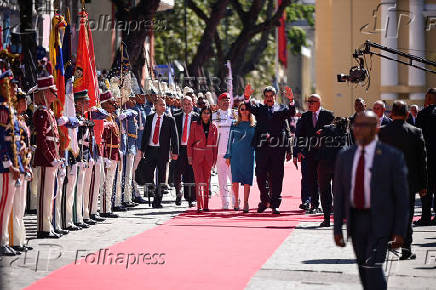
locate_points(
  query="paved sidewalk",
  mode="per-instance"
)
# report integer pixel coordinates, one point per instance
(307, 259)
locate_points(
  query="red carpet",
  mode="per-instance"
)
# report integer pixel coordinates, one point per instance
(217, 250)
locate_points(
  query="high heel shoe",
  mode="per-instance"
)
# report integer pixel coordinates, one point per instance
(246, 208)
(236, 207)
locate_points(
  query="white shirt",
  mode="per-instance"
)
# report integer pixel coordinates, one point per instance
(369, 158)
(223, 120)
(183, 128)
(153, 125)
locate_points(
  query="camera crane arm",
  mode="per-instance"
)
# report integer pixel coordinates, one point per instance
(367, 50)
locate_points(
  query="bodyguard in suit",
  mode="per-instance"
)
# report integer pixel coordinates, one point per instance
(379, 109)
(182, 167)
(409, 140)
(270, 141)
(371, 193)
(308, 151)
(159, 139)
(426, 120)
(412, 115)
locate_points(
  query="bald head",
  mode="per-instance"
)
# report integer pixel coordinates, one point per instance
(365, 127)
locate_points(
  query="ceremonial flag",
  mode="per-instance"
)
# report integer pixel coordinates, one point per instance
(69, 107)
(230, 82)
(85, 74)
(56, 59)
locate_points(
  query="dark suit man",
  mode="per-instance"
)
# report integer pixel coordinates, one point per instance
(308, 147)
(160, 137)
(182, 167)
(359, 106)
(426, 120)
(412, 115)
(409, 140)
(371, 193)
(379, 109)
(271, 143)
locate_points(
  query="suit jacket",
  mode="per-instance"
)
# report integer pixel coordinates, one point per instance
(179, 123)
(47, 137)
(409, 140)
(410, 120)
(305, 131)
(385, 120)
(273, 126)
(389, 199)
(201, 148)
(426, 120)
(168, 138)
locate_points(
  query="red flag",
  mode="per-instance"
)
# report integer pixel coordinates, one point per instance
(85, 75)
(282, 40)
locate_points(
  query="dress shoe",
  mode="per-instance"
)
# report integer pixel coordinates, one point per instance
(89, 222)
(13, 251)
(325, 224)
(22, 248)
(74, 228)
(61, 231)
(156, 205)
(120, 208)
(304, 206)
(433, 221)
(190, 204)
(261, 208)
(47, 235)
(206, 209)
(407, 254)
(109, 215)
(179, 200)
(82, 225)
(422, 223)
(6, 251)
(140, 200)
(275, 211)
(129, 204)
(97, 218)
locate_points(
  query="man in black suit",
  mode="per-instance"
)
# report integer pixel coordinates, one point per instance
(182, 167)
(426, 120)
(410, 141)
(371, 193)
(379, 109)
(412, 115)
(160, 136)
(270, 142)
(308, 141)
(359, 106)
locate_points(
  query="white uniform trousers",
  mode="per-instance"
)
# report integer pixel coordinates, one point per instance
(96, 184)
(69, 196)
(6, 201)
(87, 189)
(82, 192)
(106, 206)
(17, 231)
(45, 198)
(57, 202)
(33, 200)
(119, 185)
(224, 181)
(128, 177)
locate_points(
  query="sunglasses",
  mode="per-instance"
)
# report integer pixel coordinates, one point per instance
(243, 110)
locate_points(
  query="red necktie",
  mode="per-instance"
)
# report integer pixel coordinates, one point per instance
(185, 129)
(156, 131)
(359, 189)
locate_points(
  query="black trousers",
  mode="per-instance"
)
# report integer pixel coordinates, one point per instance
(270, 169)
(154, 160)
(370, 251)
(326, 173)
(171, 171)
(183, 171)
(310, 179)
(408, 239)
(429, 200)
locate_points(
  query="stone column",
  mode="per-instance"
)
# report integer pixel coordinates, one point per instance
(417, 46)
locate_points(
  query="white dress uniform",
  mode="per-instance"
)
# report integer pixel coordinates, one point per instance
(224, 120)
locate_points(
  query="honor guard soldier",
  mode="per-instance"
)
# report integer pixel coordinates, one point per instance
(47, 157)
(223, 118)
(11, 167)
(17, 231)
(111, 146)
(84, 159)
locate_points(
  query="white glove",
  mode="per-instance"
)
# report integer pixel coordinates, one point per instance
(62, 172)
(107, 162)
(91, 162)
(62, 121)
(122, 116)
(56, 163)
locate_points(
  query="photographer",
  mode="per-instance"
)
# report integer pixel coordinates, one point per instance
(333, 138)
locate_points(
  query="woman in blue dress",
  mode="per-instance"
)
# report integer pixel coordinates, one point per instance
(240, 154)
